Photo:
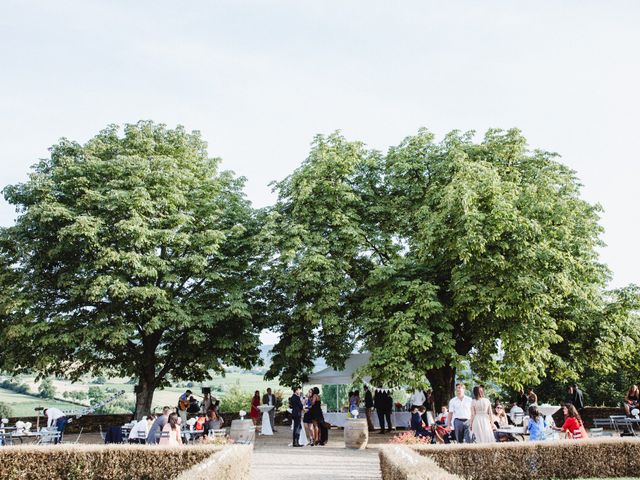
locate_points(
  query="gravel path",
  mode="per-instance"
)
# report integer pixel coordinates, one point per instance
(272, 460)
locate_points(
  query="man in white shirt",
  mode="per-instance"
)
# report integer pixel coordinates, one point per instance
(417, 399)
(56, 418)
(139, 429)
(459, 414)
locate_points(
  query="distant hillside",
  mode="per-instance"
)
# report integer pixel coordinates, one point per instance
(265, 356)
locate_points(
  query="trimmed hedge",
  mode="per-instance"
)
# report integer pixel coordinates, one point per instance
(400, 462)
(97, 462)
(231, 463)
(616, 457)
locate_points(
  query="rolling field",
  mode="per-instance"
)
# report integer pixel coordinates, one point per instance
(23, 405)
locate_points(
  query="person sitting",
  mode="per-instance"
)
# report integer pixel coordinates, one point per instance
(194, 405)
(631, 399)
(441, 430)
(572, 426)
(173, 428)
(537, 425)
(140, 428)
(213, 422)
(501, 420)
(417, 424)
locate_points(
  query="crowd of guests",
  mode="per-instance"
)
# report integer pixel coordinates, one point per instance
(468, 420)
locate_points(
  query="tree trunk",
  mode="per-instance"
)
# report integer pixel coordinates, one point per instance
(442, 382)
(144, 398)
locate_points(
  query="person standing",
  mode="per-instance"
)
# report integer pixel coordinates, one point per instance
(154, 432)
(255, 411)
(183, 405)
(459, 414)
(270, 399)
(532, 398)
(206, 402)
(481, 415)
(417, 399)
(368, 407)
(295, 404)
(384, 404)
(56, 418)
(578, 398)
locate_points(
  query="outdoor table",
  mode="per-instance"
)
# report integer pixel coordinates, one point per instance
(26, 435)
(266, 421)
(398, 419)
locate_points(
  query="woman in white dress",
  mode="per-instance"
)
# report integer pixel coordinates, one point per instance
(481, 414)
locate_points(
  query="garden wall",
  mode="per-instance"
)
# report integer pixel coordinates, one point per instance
(124, 462)
(616, 457)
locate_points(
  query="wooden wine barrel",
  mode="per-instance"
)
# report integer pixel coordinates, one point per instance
(356, 433)
(242, 431)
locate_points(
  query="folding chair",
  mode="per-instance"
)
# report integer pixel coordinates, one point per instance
(49, 438)
(6, 438)
(614, 419)
(624, 427)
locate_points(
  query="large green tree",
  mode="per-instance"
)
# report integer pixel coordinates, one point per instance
(131, 255)
(438, 253)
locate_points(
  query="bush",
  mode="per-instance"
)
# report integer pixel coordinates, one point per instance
(97, 462)
(616, 457)
(230, 464)
(46, 388)
(14, 386)
(236, 399)
(5, 410)
(99, 380)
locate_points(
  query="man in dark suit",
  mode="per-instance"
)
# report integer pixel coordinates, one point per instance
(578, 398)
(295, 404)
(368, 407)
(384, 404)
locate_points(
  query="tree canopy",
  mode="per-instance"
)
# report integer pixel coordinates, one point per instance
(132, 255)
(437, 253)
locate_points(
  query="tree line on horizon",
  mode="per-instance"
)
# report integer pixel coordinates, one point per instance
(135, 255)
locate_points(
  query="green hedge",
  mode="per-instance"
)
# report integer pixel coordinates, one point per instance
(613, 458)
(124, 462)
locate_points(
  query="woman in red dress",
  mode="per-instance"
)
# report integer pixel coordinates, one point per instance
(255, 403)
(572, 425)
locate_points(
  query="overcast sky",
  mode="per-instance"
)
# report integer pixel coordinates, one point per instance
(260, 79)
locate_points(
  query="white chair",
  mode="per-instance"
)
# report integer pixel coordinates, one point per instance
(50, 437)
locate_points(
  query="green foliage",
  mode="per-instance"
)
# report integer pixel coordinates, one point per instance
(130, 253)
(75, 395)
(16, 387)
(439, 253)
(46, 389)
(235, 399)
(99, 380)
(5, 410)
(123, 404)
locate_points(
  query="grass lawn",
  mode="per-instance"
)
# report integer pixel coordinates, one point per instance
(23, 405)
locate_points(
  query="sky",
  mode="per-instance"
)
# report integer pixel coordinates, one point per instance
(259, 79)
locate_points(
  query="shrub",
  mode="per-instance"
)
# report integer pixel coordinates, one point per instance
(232, 463)
(46, 388)
(99, 380)
(5, 410)
(616, 457)
(97, 462)
(235, 399)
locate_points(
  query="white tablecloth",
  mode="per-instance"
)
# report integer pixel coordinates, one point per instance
(398, 419)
